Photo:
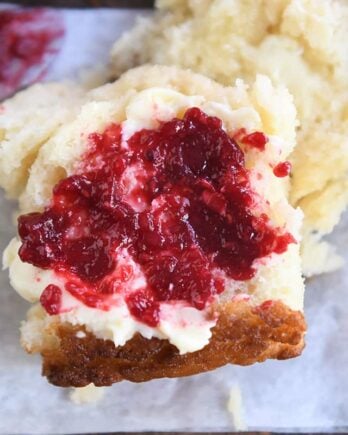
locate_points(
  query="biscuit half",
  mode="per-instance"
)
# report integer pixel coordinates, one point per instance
(251, 320)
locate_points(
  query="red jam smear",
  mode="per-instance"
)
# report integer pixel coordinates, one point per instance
(142, 305)
(28, 40)
(51, 299)
(256, 139)
(189, 219)
(282, 169)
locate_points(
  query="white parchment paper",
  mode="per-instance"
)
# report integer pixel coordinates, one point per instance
(309, 393)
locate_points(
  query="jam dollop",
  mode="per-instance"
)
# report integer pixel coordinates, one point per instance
(178, 198)
(50, 299)
(28, 40)
(282, 169)
(257, 139)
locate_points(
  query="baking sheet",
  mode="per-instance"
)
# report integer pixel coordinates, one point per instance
(309, 393)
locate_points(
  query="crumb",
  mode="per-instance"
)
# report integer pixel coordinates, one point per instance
(235, 408)
(88, 394)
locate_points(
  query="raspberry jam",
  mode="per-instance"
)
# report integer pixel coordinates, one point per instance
(257, 140)
(51, 299)
(282, 169)
(28, 40)
(177, 198)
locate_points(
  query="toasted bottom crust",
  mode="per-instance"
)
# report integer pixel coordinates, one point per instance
(243, 335)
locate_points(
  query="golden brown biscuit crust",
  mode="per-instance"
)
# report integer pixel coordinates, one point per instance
(243, 335)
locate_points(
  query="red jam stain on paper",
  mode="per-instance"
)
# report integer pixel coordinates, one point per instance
(177, 198)
(29, 40)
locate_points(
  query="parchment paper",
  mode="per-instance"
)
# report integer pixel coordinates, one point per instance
(309, 393)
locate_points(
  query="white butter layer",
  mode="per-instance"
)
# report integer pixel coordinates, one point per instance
(185, 327)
